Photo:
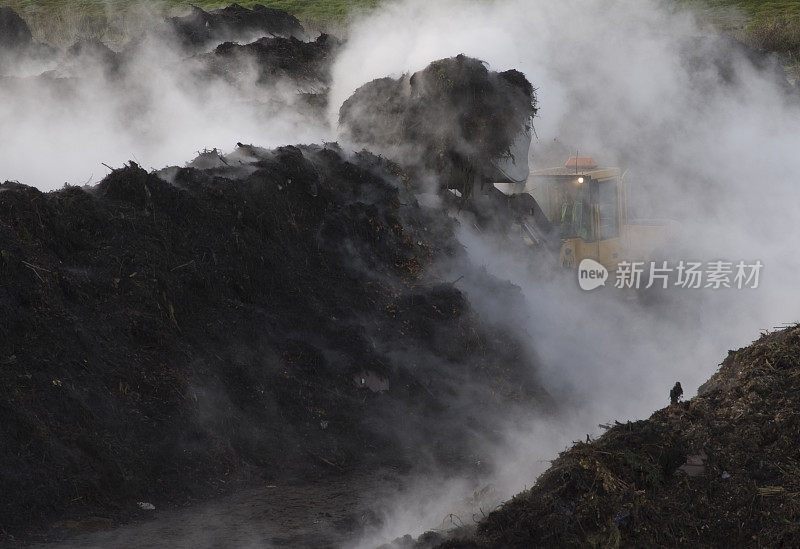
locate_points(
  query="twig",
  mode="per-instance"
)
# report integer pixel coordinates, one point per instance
(182, 266)
(35, 270)
(322, 459)
(36, 267)
(452, 516)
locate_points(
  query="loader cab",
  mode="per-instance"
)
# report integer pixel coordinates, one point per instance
(586, 205)
(581, 201)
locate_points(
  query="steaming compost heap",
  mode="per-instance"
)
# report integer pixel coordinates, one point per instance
(200, 28)
(292, 313)
(454, 118)
(262, 47)
(261, 314)
(17, 45)
(720, 469)
(275, 58)
(14, 32)
(264, 314)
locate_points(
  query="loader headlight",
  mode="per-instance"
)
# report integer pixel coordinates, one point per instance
(580, 180)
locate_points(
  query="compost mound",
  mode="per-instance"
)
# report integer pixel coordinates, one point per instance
(454, 117)
(200, 28)
(14, 32)
(275, 59)
(722, 469)
(17, 45)
(271, 74)
(258, 315)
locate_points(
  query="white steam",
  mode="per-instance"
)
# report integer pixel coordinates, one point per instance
(65, 127)
(711, 145)
(628, 82)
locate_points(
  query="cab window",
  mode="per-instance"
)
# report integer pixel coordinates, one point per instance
(566, 204)
(573, 215)
(608, 208)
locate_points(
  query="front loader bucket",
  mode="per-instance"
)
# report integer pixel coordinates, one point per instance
(512, 166)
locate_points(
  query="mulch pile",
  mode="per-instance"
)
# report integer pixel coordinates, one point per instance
(453, 117)
(276, 52)
(275, 59)
(14, 32)
(260, 315)
(720, 469)
(17, 45)
(199, 28)
(271, 74)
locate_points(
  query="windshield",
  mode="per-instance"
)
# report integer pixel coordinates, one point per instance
(566, 204)
(574, 218)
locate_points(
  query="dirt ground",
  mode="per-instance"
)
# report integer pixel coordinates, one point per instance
(331, 512)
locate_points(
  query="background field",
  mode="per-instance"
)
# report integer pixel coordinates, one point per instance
(59, 22)
(767, 25)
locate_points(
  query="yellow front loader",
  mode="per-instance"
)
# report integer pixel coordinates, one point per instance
(583, 209)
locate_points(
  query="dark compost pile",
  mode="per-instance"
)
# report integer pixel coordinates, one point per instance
(201, 47)
(200, 29)
(17, 46)
(454, 117)
(265, 314)
(720, 469)
(275, 58)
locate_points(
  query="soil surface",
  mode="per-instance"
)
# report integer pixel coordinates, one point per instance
(331, 512)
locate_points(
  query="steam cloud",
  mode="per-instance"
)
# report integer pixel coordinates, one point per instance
(707, 130)
(709, 138)
(163, 110)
